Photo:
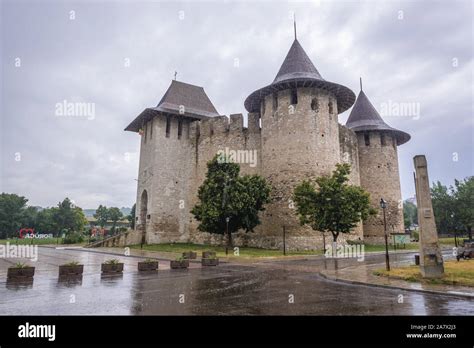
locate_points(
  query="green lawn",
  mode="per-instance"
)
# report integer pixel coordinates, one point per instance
(372, 247)
(251, 252)
(450, 241)
(31, 241)
(455, 273)
(220, 251)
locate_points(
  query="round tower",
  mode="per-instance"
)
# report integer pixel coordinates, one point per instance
(300, 139)
(378, 166)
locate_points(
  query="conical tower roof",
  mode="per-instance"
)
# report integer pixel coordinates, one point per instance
(297, 70)
(364, 117)
(296, 65)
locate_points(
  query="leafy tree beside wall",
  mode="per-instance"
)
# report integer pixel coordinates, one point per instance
(224, 194)
(332, 205)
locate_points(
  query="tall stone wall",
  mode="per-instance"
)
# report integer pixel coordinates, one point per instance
(349, 153)
(221, 134)
(165, 173)
(378, 166)
(299, 142)
(296, 142)
(144, 186)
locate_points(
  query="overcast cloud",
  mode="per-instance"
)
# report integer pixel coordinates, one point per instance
(406, 51)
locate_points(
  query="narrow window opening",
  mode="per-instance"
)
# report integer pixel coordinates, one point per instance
(180, 128)
(330, 107)
(275, 101)
(263, 107)
(168, 126)
(383, 141)
(293, 97)
(314, 105)
(367, 139)
(146, 131)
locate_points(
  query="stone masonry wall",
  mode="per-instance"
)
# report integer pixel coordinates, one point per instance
(296, 142)
(299, 142)
(378, 166)
(349, 152)
(208, 137)
(165, 169)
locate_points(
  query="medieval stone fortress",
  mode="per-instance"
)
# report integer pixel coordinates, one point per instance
(293, 134)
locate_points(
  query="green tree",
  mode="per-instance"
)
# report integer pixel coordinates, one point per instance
(334, 206)
(410, 213)
(131, 217)
(11, 211)
(45, 221)
(68, 217)
(443, 202)
(29, 216)
(226, 195)
(115, 215)
(102, 215)
(464, 203)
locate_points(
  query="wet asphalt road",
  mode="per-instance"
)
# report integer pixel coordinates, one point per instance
(264, 289)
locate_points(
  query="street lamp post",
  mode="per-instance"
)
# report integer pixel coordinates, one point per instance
(383, 205)
(324, 243)
(455, 237)
(227, 219)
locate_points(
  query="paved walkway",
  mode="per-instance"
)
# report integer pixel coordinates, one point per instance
(363, 274)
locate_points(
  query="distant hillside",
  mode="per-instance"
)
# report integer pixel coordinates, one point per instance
(91, 212)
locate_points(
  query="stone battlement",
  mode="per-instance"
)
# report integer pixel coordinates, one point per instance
(223, 125)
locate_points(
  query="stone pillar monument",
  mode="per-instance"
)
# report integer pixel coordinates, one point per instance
(431, 260)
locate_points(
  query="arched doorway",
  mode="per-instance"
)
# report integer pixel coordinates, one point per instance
(143, 214)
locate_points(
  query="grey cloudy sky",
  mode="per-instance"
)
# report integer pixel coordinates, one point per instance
(406, 51)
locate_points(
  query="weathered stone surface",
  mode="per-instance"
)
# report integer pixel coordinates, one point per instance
(431, 259)
(378, 168)
(291, 143)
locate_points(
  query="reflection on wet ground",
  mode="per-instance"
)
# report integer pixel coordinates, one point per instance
(278, 287)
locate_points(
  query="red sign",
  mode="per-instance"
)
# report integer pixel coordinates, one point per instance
(27, 231)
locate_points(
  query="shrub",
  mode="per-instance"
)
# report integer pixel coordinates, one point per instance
(20, 265)
(72, 263)
(355, 242)
(73, 238)
(112, 262)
